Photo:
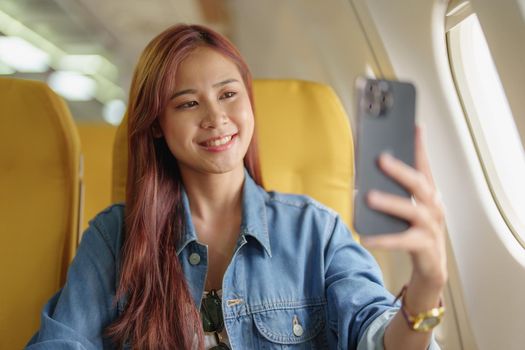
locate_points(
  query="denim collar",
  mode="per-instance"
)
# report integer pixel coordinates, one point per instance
(253, 222)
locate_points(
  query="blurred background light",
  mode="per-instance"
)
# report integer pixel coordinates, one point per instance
(89, 64)
(5, 69)
(113, 111)
(72, 85)
(22, 56)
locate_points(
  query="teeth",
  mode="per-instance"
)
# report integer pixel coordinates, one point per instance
(219, 142)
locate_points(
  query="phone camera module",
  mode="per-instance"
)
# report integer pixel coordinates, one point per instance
(378, 98)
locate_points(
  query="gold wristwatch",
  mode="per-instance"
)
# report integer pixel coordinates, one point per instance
(424, 321)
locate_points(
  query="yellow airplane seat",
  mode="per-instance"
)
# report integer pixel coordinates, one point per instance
(39, 203)
(97, 140)
(305, 144)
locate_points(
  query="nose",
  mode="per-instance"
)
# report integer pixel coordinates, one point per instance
(215, 116)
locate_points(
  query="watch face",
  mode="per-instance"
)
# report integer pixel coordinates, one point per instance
(428, 323)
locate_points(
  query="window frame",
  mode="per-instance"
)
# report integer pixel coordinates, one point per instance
(458, 12)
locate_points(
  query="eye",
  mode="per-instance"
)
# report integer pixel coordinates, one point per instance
(228, 94)
(187, 105)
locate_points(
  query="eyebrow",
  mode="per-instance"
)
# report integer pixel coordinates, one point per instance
(193, 91)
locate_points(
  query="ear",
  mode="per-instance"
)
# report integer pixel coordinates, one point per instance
(156, 130)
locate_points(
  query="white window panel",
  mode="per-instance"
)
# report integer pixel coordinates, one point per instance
(490, 120)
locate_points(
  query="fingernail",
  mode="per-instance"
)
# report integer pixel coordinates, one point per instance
(373, 196)
(386, 158)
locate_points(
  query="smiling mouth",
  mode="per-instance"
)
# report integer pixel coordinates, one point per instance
(218, 142)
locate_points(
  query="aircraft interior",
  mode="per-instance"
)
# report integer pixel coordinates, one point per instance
(66, 68)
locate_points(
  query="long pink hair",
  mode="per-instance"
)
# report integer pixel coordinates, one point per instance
(160, 312)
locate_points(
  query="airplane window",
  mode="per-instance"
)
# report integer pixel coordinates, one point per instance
(490, 120)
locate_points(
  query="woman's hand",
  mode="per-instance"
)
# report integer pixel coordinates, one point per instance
(425, 239)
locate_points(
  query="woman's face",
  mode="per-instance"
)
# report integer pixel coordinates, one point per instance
(208, 123)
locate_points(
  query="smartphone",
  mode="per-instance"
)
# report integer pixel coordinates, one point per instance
(385, 124)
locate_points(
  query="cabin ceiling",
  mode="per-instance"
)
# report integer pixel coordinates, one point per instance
(313, 40)
(116, 29)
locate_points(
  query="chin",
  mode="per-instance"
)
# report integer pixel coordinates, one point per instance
(224, 169)
(219, 167)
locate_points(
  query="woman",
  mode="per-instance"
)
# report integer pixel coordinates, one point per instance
(198, 233)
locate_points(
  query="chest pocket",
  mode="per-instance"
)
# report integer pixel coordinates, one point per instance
(294, 328)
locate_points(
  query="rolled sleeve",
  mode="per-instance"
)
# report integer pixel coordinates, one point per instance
(373, 337)
(374, 334)
(359, 305)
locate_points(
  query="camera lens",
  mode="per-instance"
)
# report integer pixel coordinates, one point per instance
(378, 98)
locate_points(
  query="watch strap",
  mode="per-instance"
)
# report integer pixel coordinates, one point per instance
(423, 321)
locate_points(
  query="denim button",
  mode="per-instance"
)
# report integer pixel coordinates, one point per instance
(298, 330)
(195, 258)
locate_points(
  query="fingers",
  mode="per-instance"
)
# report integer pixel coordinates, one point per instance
(399, 207)
(428, 256)
(424, 240)
(414, 181)
(412, 240)
(418, 181)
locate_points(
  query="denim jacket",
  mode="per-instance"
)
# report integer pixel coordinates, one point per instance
(297, 280)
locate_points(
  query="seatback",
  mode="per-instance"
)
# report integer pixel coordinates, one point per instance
(305, 144)
(97, 140)
(39, 203)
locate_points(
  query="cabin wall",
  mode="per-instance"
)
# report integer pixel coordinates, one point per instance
(311, 40)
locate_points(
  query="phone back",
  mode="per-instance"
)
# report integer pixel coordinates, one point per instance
(385, 123)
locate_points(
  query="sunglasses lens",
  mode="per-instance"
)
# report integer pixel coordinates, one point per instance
(212, 319)
(211, 313)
